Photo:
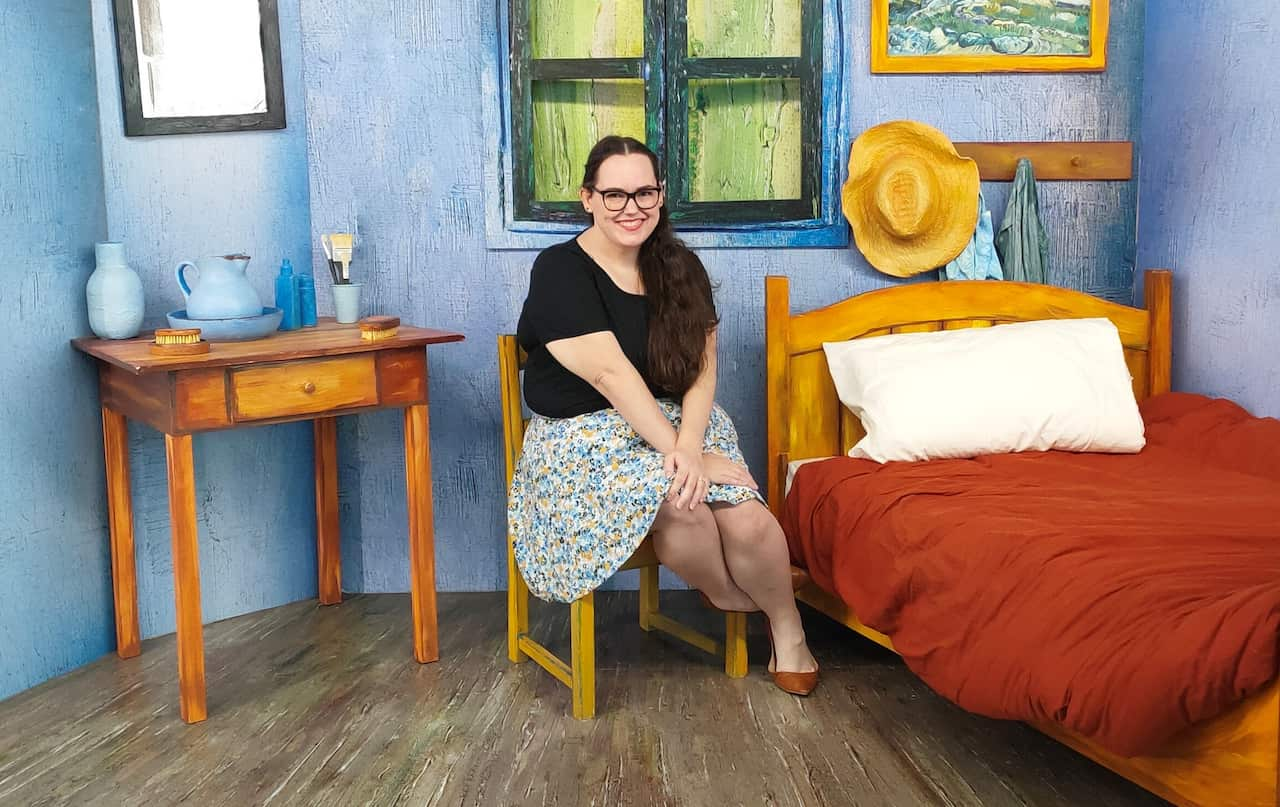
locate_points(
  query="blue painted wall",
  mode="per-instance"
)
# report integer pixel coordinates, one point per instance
(396, 145)
(1211, 191)
(177, 197)
(54, 564)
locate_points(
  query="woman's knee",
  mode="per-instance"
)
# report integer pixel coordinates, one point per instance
(681, 537)
(669, 517)
(748, 524)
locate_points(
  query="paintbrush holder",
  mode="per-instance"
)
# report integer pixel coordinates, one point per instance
(346, 302)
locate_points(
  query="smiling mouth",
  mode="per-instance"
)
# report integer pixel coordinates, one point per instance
(630, 224)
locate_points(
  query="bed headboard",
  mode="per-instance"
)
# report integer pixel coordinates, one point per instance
(806, 418)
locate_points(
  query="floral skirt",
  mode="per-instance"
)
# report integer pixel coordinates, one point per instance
(586, 492)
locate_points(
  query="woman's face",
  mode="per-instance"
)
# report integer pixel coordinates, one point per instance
(635, 216)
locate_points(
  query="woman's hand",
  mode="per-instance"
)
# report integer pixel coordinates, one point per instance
(688, 478)
(723, 471)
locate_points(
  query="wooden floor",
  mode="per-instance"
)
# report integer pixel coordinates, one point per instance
(325, 706)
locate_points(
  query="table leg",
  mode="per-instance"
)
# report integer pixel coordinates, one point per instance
(328, 538)
(124, 575)
(422, 564)
(186, 577)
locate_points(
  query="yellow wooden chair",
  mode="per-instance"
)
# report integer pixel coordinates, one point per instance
(580, 674)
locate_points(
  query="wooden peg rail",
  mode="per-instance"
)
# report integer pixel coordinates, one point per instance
(1095, 160)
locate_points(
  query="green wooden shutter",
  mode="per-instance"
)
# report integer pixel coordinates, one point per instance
(744, 110)
(581, 69)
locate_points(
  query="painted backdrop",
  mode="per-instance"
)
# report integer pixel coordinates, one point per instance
(396, 147)
(1211, 192)
(54, 566)
(392, 125)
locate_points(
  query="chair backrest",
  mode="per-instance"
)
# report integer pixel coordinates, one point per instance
(510, 362)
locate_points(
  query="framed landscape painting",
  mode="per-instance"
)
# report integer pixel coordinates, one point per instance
(988, 36)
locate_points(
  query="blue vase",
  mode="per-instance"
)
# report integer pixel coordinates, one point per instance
(114, 294)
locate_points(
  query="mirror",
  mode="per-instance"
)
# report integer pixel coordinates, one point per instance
(191, 66)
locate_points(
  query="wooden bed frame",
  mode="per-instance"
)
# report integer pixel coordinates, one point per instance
(1230, 760)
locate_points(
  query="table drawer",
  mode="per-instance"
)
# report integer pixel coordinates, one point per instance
(302, 388)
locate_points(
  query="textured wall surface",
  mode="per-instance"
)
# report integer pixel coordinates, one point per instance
(396, 145)
(172, 198)
(54, 567)
(1211, 191)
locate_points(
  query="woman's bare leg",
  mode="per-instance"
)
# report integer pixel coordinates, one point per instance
(688, 543)
(755, 552)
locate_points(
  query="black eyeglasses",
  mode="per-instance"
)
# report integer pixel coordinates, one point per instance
(615, 199)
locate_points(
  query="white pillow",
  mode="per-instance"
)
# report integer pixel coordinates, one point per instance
(1027, 386)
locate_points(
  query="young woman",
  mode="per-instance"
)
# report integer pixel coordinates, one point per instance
(620, 329)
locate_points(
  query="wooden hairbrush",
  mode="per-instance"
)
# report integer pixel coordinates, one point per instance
(178, 342)
(374, 328)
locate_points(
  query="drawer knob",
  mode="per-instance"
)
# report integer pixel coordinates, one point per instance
(309, 387)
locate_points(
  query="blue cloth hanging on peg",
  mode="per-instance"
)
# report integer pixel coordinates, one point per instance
(979, 260)
(1022, 241)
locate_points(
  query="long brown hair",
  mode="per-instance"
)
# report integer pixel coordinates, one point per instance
(678, 291)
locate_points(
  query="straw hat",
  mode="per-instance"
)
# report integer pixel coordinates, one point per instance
(911, 199)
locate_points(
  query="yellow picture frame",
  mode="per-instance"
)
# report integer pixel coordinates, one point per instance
(882, 61)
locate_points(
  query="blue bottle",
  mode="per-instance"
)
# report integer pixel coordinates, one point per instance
(287, 298)
(307, 300)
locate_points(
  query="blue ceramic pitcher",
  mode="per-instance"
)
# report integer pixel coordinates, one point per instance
(222, 289)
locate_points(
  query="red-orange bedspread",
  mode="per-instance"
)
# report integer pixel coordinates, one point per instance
(1121, 596)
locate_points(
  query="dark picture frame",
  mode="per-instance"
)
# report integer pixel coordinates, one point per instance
(136, 124)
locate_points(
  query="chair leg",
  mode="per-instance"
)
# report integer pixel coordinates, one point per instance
(735, 645)
(582, 622)
(648, 595)
(517, 607)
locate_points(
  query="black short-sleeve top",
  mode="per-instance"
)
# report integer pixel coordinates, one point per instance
(571, 295)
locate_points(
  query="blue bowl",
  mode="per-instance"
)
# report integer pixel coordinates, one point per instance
(234, 329)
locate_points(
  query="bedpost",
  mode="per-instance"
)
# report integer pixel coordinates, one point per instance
(1158, 285)
(777, 331)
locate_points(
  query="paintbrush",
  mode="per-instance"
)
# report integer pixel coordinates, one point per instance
(328, 254)
(343, 246)
(338, 247)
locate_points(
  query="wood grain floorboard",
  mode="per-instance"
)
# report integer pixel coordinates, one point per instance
(312, 705)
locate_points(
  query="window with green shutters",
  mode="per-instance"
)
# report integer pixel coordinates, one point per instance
(728, 93)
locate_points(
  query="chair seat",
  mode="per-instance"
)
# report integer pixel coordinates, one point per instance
(644, 556)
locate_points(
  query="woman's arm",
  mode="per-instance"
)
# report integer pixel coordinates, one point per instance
(695, 413)
(695, 408)
(597, 358)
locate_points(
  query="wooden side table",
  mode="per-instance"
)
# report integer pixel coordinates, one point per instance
(312, 374)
